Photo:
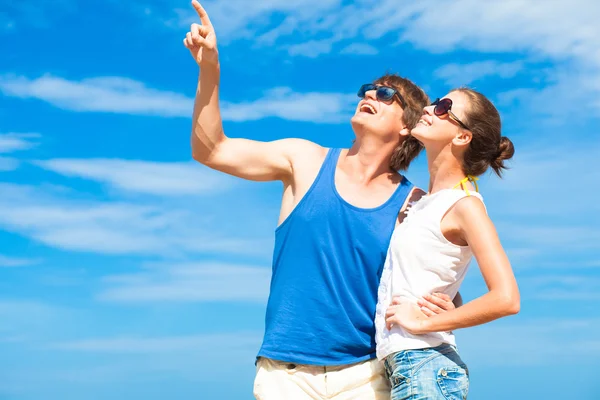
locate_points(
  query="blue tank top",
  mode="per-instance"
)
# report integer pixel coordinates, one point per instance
(327, 263)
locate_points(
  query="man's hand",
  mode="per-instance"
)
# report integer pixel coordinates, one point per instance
(201, 40)
(407, 315)
(435, 303)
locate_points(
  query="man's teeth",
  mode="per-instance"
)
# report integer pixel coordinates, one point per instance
(422, 121)
(368, 108)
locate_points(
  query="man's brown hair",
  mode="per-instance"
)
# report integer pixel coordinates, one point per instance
(415, 100)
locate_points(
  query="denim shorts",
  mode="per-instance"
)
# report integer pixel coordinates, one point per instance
(432, 374)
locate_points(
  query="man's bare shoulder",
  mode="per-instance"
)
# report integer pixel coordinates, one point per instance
(303, 152)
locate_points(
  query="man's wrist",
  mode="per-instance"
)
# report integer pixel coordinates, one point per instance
(209, 69)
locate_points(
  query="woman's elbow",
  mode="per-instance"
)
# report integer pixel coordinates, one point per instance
(515, 307)
(510, 304)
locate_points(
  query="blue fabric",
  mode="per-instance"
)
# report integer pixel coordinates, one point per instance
(436, 373)
(327, 264)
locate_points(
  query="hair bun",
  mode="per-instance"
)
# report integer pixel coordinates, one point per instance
(506, 150)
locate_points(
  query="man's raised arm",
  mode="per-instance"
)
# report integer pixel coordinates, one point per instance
(249, 159)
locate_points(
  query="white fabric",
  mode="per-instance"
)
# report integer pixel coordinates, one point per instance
(420, 260)
(277, 380)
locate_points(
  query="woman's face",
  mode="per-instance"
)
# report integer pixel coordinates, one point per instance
(442, 129)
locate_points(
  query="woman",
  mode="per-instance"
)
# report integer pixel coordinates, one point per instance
(431, 250)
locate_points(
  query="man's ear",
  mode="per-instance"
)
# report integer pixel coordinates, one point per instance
(463, 137)
(405, 131)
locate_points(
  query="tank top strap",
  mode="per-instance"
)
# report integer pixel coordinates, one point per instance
(401, 194)
(331, 159)
(441, 202)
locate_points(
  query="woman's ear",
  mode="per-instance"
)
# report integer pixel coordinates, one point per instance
(405, 131)
(463, 137)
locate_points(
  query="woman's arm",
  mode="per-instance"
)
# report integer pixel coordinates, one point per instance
(502, 298)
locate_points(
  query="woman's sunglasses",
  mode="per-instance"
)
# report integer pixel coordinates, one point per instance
(443, 107)
(383, 93)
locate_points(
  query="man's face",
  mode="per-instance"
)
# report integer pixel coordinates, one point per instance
(378, 117)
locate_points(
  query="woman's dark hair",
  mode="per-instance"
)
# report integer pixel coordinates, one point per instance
(488, 148)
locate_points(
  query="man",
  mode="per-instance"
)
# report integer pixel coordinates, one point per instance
(338, 211)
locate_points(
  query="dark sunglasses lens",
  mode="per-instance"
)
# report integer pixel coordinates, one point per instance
(385, 93)
(442, 106)
(364, 89)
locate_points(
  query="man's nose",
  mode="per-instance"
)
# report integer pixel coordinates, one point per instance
(371, 94)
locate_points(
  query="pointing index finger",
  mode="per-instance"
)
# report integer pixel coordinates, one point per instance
(202, 14)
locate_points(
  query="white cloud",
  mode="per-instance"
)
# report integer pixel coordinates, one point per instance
(558, 30)
(11, 142)
(6, 261)
(33, 309)
(284, 103)
(551, 169)
(553, 234)
(143, 359)
(360, 49)
(64, 221)
(544, 339)
(103, 94)
(541, 210)
(14, 142)
(562, 287)
(190, 283)
(25, 319)
(123, 95)
(311, 49)
(565, 33)
(456, 75)
(80, 365)
(242, 19)
(133, 344)
(287, 27)
(157, 178)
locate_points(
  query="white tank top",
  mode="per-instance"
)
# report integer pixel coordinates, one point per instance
(420, 260)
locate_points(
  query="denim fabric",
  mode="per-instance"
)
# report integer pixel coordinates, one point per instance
(427, 374)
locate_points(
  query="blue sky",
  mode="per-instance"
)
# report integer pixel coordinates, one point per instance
(127, 271)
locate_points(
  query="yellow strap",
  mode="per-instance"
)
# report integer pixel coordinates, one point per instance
(468, 178)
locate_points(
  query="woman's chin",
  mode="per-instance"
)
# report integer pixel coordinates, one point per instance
(417, 131)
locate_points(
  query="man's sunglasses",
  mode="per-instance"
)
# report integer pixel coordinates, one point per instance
(443, 107)
(383, 93)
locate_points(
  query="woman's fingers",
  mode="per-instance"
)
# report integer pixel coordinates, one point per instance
(431, 303)
(427, 311)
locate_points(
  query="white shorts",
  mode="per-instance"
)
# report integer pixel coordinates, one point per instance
(277, 380)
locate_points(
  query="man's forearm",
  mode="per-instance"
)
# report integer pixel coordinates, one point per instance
(207, 125)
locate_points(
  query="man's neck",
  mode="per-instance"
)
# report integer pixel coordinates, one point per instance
(368, 159)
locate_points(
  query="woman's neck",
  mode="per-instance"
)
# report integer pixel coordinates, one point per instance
(445, 170)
